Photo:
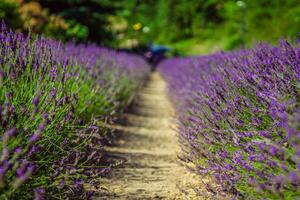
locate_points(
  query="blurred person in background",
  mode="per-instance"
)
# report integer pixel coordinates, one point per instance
(156, 54)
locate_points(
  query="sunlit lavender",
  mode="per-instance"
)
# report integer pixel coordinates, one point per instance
(239, 118)
(55, 102)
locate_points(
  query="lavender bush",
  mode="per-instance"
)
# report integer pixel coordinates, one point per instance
(55, 102)
(239, 118)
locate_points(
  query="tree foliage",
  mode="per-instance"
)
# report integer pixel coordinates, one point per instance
(227, 23)
(235, 22)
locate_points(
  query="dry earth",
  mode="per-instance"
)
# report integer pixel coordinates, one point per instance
(147, 143)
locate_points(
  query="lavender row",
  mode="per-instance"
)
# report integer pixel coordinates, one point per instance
(239, 119)
(55, 102)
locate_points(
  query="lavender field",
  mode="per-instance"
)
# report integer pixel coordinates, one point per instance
(239, 119)
(55, 103)
(149, 100)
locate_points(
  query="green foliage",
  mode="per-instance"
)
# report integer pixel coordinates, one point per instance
(87, 20)
(211, 24)
(76, 30)
(8, 13)
(214, 24)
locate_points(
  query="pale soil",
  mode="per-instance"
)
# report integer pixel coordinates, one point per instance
(147, 143)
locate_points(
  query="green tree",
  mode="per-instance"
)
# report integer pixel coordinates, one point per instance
(87, 18)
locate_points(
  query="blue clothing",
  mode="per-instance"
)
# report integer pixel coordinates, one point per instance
(158, 49)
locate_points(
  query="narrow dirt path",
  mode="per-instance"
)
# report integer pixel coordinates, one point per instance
(147, 143)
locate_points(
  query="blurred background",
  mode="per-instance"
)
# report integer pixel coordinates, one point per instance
(187, 27)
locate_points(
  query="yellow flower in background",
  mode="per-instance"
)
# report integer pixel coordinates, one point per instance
(137, 26)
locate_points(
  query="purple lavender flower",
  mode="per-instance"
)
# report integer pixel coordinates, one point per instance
(18, 150)
(39, 193)
(23, 173)
(272, 150)
(34, 137)
(5, 154)
(294, 178)
(33, 150)
(62, 182)
(36, 100)
(2, 177)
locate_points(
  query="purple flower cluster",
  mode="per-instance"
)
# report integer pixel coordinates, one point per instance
(55, 102)
(239, 118)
